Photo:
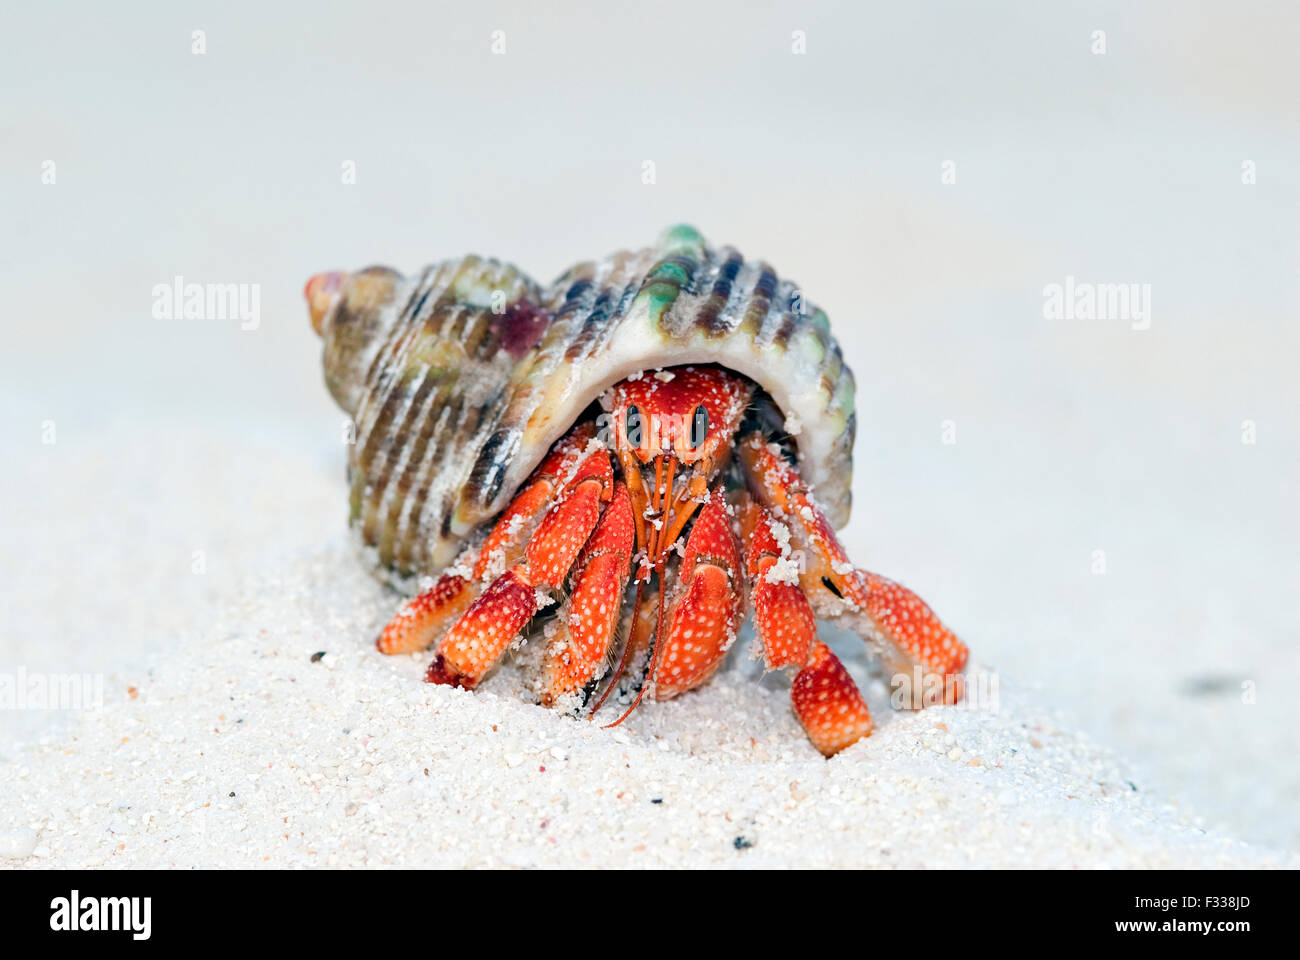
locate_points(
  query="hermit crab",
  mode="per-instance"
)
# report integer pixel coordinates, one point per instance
(623, 464)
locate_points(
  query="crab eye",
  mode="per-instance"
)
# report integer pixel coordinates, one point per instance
(699, 427)
(633, 426)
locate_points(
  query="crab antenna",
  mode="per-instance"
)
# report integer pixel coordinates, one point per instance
(652, 534)
(664, 502)
(654, 657)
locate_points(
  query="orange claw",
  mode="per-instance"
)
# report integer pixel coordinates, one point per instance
(902, 628)
(708, 610)
(476, 641)
(828, 703)
(579, 651)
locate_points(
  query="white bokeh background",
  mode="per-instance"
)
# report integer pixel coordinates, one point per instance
(1072, 436)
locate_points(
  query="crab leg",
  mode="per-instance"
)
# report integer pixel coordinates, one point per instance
(824, 696)
(783, 617)
(426, 617)
(579, 652)
(905, 632)
(828, 703)
(477, 640)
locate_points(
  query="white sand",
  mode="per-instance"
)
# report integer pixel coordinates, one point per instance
(237, 750)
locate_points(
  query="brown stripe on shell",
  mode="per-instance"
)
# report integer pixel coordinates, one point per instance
(428, 401)
(394, 443)
(710, 315)
(760, 300)
(424, 468)
(619, 281)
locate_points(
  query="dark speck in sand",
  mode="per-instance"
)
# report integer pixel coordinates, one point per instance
(656, 799)
(316, 657)
(740, 843)
(1209, 685)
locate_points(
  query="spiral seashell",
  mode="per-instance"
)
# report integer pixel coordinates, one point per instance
(459, 379)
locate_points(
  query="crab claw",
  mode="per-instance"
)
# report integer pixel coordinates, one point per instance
(709, 606)
(828, 702)
(905, 632)
(579, 651)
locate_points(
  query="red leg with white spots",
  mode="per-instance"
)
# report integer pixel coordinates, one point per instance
(824, 696)
(905, 632)
(578, 653)
(828, 702)
(477, 640)
(783, 617)
(426, 617)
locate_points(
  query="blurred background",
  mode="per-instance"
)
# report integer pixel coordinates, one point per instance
(923, 170)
